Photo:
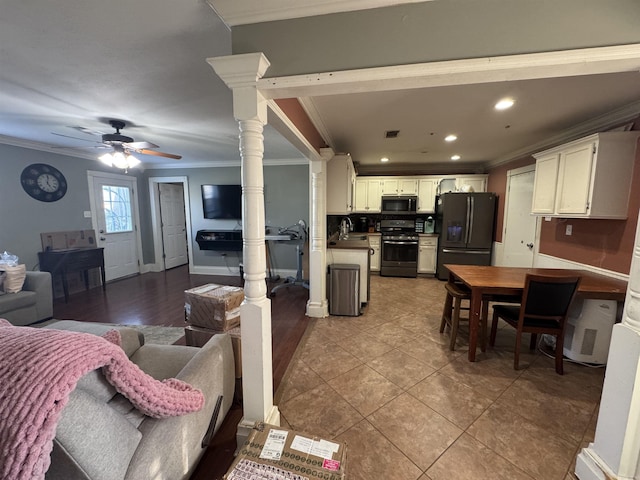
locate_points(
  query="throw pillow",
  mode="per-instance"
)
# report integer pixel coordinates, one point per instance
(15, 277)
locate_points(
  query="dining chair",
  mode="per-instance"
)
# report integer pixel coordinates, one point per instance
(456, 294)
(544, 309)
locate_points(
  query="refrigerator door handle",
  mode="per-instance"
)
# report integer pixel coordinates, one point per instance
(466, 226)
(472, 212)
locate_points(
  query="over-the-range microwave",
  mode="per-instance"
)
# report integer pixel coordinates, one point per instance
(401, 205)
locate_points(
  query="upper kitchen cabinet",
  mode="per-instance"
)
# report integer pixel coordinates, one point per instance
(341, 177)
(367, 195)
(399, 186)
(586, 178)
(472, 183)
(427, 195)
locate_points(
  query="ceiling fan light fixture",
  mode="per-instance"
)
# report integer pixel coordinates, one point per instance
(119, 160)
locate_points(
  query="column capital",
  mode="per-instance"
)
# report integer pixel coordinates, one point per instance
(238, 71)
(327, 153)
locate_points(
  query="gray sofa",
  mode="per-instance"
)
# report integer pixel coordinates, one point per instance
(100, 436)
(33, 304)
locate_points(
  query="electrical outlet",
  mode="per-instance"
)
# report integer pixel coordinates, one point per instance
(568, 230)
(87, 214)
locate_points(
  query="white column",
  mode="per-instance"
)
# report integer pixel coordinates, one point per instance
(241, 73)
(318, 305)
(615, 452)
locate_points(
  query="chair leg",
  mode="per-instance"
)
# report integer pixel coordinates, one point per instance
(494, 329)
(516, 353)
(446, 312)
(483, 325)
(455, 321)
(533, 341)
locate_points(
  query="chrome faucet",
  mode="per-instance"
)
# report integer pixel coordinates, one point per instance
(345, 227)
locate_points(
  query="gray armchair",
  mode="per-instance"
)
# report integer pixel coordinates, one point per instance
(33, 304)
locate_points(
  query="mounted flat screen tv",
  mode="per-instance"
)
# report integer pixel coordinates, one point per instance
(222, 201)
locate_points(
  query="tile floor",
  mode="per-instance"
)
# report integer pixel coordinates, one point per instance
(410, 409)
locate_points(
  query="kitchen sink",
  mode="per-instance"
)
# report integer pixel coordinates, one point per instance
(358, 238)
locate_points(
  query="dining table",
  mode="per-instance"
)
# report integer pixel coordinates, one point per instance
(494, 280)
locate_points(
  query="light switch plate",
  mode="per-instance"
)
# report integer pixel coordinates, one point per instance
(568, 230)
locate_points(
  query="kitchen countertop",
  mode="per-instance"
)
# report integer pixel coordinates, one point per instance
(358, 241)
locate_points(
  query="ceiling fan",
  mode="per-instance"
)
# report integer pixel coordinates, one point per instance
(121, 143)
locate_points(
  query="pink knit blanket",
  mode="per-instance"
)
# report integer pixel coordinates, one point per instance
(38, 370)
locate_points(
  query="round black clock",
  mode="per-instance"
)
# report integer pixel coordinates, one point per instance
(43, 182)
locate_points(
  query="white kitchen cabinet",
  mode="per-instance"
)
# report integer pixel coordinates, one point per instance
(427, 251)
(375, 242)
(472, 183)
(399, 186)
(341, 177)
(389, 186)
(586, 178)
(407, 186)
(367, 195)
(427, 195)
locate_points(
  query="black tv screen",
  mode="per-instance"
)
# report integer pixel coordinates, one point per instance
(222, 201)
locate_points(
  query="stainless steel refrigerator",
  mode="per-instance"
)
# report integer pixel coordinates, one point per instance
(465, 223)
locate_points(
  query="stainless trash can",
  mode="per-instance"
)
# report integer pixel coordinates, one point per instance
(344, 289)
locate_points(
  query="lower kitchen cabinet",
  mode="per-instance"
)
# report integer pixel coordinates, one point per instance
(427, 251)
(375, 242)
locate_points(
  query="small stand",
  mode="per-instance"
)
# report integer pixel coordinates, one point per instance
(298, 280)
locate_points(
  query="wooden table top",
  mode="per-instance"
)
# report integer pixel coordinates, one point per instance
(592, 285)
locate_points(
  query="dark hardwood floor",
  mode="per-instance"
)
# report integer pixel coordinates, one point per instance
(158, 299)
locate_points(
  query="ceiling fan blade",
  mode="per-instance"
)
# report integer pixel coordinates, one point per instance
(88, 147)
(86, 130)
(144, 151)
(140, 145)
(75, 138)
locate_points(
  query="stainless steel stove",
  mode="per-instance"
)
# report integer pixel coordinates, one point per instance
(399, 248)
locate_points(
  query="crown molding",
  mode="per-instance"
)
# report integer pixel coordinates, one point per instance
(243, 12)
(602, 123)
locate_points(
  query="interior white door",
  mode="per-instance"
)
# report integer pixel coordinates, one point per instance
(116, 227)
(520, 225)
(173, 222)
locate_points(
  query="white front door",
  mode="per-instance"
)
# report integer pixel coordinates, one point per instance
(519, 224)
(173, 221)
(114, 216)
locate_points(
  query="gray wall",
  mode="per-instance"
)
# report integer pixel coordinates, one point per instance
(23, 218)
(438, 30)
(286, 202)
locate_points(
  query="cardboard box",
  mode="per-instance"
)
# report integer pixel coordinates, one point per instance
(216, 307)
(198, 336)
(276, 453)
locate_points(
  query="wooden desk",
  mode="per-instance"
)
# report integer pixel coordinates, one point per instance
(61, 262)
(510, 281)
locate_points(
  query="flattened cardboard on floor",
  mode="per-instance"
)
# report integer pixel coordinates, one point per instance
(213, 306)
(279, 453)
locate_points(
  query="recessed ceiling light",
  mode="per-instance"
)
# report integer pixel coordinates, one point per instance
(504, 104)
(455, 157)
(450, 138)
(384, 159)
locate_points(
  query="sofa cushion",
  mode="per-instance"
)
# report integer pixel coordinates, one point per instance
(98, 438)
(163, 361)
(131, 339)
(15, 301)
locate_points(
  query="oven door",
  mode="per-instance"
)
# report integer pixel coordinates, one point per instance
(399, 258)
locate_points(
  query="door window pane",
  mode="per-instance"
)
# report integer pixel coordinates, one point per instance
(117, 209)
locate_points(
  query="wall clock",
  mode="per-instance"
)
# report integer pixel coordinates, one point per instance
(43, 182)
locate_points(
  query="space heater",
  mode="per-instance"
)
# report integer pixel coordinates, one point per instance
(588, 331)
